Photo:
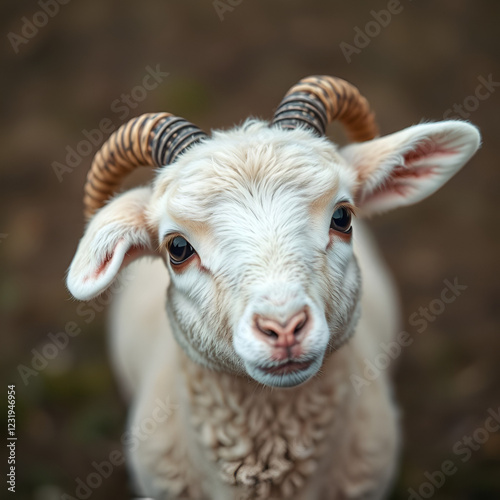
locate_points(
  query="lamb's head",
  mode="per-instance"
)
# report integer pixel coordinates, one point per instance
(262, 274)
(255, 226)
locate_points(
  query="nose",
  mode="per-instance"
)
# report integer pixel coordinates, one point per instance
(285, 334)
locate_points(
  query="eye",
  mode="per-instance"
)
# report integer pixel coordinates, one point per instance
(179, 250)
(341, 220)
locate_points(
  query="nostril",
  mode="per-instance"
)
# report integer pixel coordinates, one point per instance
(300, 324)
(266, 331)
(270, 329)
(302, 320)
(298, 327)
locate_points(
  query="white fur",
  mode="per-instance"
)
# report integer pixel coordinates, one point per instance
(256, 204)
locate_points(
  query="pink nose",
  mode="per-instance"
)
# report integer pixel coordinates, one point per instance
(283, 334)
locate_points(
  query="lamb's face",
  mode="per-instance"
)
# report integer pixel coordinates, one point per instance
(256, 231)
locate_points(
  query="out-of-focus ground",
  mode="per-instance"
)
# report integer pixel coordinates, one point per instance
(66, 78)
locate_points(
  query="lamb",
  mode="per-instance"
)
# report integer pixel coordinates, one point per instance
(254, 234)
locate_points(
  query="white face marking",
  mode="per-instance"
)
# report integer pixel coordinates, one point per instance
(257, 211)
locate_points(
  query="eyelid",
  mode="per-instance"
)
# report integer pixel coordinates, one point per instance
(347, 205)
(167, 238)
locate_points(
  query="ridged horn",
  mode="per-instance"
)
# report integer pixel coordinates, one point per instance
(152, 139)
(316, 101)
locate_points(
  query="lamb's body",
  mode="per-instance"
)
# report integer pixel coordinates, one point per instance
(241, 383)
(218, 422)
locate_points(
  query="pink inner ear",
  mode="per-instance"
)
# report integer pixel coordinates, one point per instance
(401, 177)
(132, 253)
(104, 265)
(400, 180)
(428, 148)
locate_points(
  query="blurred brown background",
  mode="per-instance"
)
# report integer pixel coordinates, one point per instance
(67, 78)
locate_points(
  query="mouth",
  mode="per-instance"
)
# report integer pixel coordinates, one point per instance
(286, 368)
(288, 373)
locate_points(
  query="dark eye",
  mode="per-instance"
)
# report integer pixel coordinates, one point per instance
(341, 220)
(179, 250)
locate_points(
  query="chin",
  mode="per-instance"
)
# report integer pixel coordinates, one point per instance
(288, 374)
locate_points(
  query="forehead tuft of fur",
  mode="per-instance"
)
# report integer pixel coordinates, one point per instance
(252, 159)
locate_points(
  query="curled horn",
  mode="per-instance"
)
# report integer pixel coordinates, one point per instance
(316, 101)
(152, 139)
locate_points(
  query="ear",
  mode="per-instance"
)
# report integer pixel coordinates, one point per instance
(406, 167)
(115, 236)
